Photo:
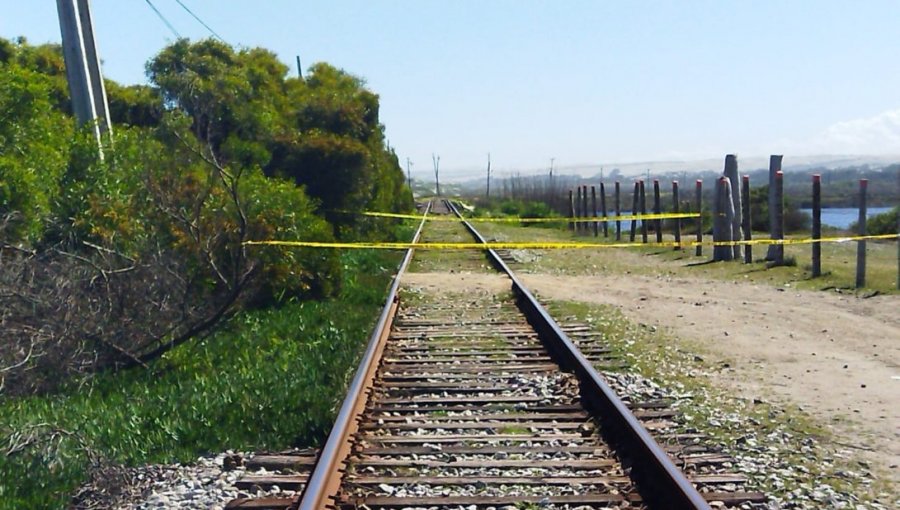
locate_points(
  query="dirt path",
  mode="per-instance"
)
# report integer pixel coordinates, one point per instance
(836, 356)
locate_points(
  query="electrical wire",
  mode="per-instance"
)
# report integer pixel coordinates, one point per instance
(163, 18)
(211, 31)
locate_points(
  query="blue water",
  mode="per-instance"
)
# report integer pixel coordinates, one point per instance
(842, 217)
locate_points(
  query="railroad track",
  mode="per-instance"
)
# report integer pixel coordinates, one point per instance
(484, 401)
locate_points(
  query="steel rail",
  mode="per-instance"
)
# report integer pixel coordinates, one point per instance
(325, 479)
(665, 484)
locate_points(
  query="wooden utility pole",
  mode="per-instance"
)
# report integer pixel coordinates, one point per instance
(488, 192)
(409, 174)
(86, 86)
(436, 160)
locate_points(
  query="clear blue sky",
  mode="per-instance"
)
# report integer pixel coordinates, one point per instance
(586, 82)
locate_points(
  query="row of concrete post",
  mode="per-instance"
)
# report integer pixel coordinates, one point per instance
(731, 213)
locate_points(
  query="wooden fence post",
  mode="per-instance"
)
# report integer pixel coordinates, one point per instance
(643, 212)
(585, 227)
(677, 210)
(619, 212)
(861, 245)
(578, 212)
(698, 198)
(657, 209)
(816, 225)
(594, 208)
(778, 225)
(634, 209)
(571, 211)
(603, 208)
(746, 225)
(775, 252)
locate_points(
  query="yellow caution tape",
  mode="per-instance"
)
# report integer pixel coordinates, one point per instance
(626, 217)
(557, 245)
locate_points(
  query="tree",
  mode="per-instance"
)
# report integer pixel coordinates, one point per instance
(33, 152)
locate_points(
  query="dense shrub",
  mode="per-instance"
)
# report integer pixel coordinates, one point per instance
(880, 224)
(33, 153)
(795, 220)
(270, 379)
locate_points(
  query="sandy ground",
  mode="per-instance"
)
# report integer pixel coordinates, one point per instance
(836, 356)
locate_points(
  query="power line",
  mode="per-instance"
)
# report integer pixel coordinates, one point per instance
(163, 18)
(211, 31)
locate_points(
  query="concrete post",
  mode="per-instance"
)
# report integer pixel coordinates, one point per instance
(775, 251)
(85, 79)
(731, 171)
(722, 218)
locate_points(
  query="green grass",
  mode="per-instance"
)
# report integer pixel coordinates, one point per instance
(270, 379)
(448, 260)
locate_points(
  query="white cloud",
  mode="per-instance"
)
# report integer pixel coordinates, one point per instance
(879, 134)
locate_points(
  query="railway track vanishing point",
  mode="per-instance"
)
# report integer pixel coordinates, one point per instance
(486, 402)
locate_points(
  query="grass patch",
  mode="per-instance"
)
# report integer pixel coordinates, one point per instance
(513, 430)
(448, 260)
(269, 379)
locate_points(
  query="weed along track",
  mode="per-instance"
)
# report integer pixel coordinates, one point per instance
(482, 400)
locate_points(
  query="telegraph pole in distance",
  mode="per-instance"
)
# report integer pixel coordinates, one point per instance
(552, 190)
(437, 181)
(86, 87)
(488, 194)
(408, 174)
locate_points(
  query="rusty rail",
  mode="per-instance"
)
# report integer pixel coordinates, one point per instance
(653, 467)
(662, 484)
(325, 480)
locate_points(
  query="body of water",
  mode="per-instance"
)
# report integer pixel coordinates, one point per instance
(842, 217)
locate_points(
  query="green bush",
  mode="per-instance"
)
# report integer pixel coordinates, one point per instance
(278, 210)
(880, 224)
(34, 141)
(271, 379)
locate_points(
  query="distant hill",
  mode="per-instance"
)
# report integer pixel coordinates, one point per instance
(840, 175)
